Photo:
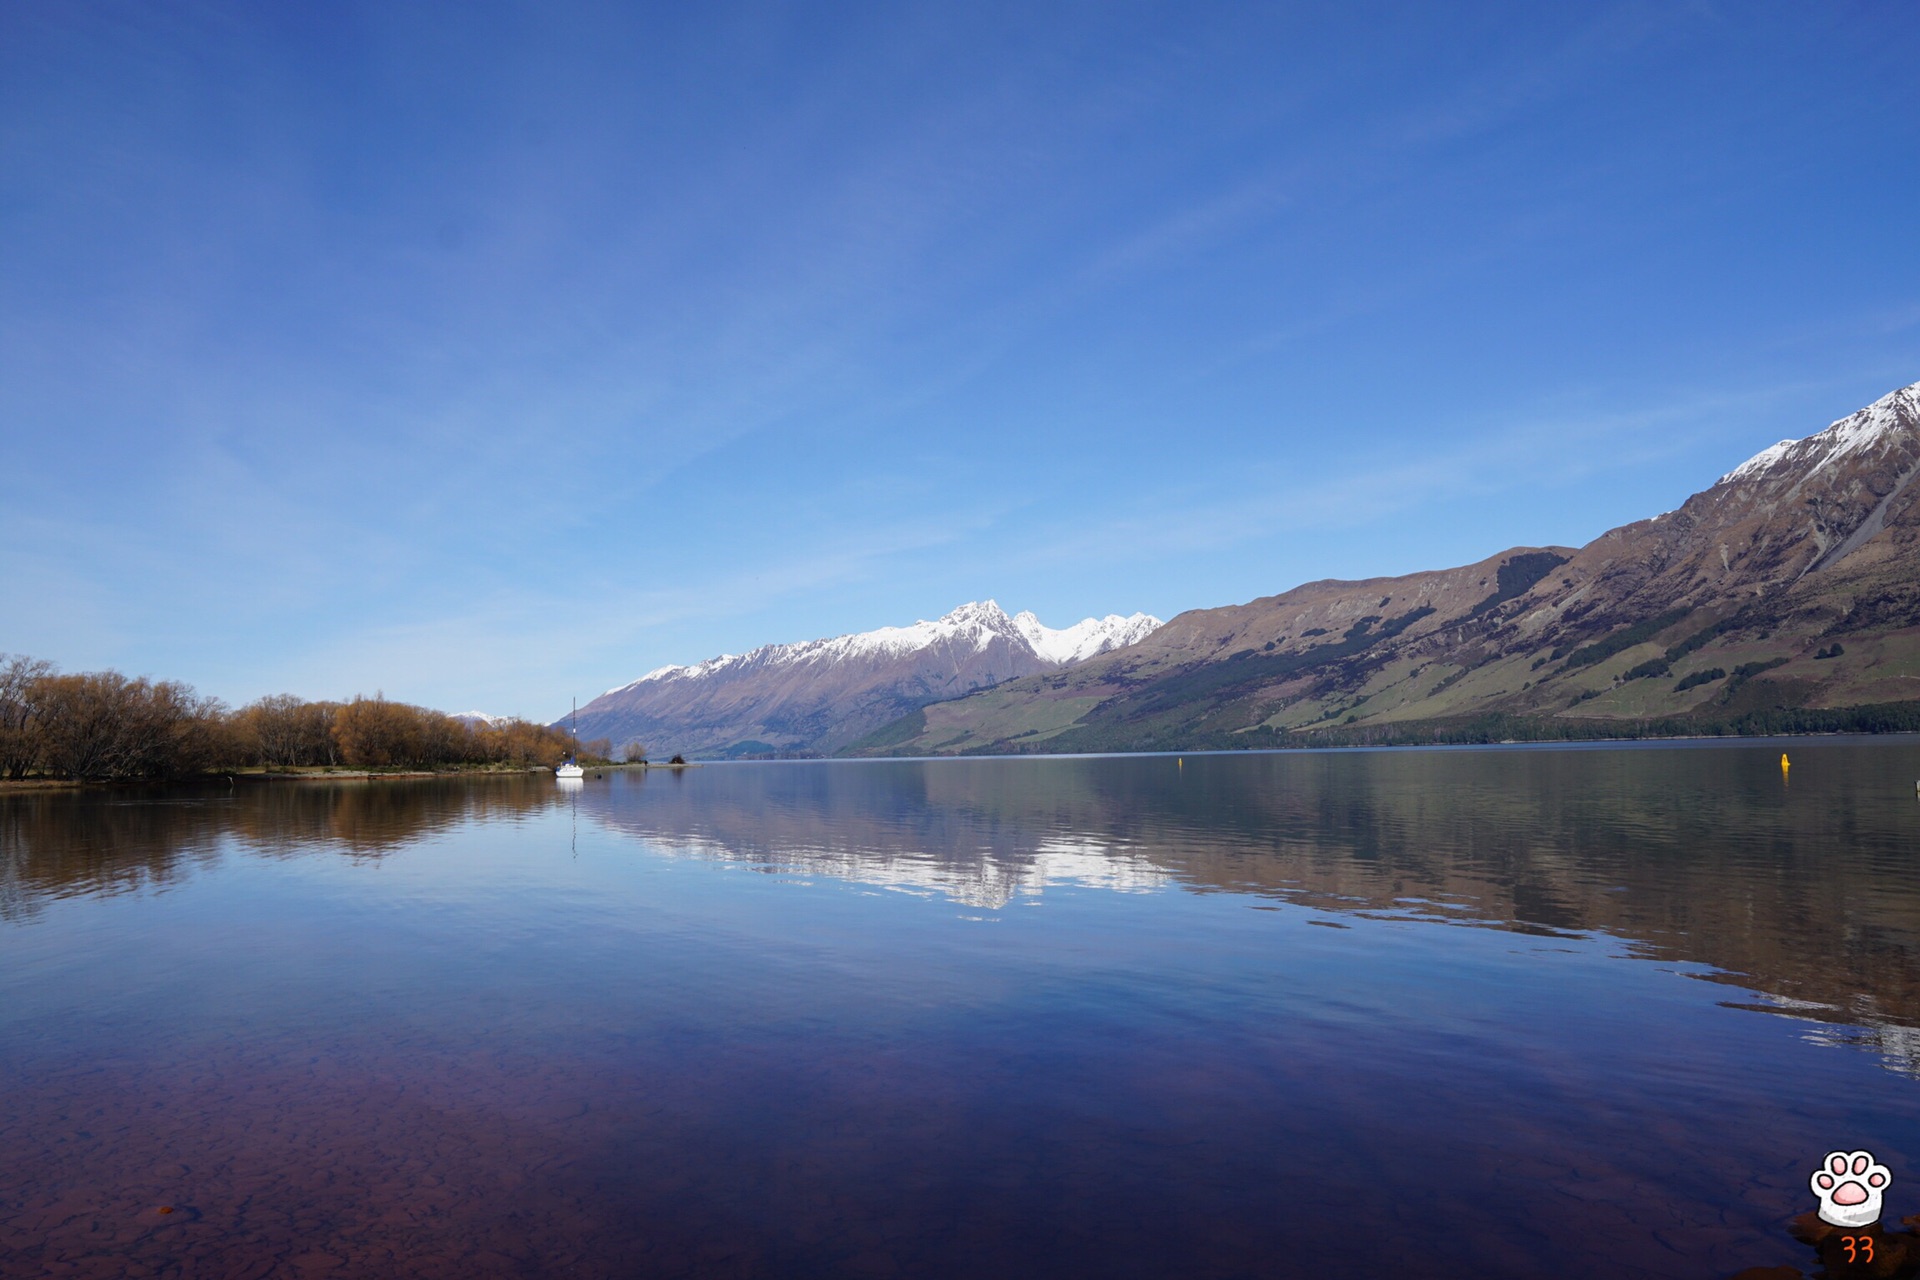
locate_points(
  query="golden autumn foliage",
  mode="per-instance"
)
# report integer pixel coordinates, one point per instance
(103, 726)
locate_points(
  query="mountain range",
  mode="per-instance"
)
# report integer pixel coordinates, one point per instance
(817, 696)
(1785, 596)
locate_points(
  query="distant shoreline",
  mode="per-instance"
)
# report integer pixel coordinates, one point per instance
(9, 786)
(235, 777)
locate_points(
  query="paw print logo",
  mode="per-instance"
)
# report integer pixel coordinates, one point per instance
(1849, 1185)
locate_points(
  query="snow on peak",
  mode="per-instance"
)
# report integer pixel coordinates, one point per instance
(671, 672)
(976, 623)
(1088, 638)
(1878, 420)
(973, 626)
(1896, 411)
(1758, 462)
(980, 622)
(480, 717)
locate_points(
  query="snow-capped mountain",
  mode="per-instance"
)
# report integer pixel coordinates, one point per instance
(817, 695)
(977, 625)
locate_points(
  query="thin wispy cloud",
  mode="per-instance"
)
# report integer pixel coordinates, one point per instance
(1551, 451)
(569, 349)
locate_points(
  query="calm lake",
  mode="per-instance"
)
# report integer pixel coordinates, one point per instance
(1458, 1013)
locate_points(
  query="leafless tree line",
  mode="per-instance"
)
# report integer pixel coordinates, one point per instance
(101, 726)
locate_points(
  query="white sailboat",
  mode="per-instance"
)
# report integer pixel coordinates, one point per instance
(571, 767)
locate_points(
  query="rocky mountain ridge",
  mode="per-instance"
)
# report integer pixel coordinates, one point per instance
(1791, 586)
(817, 695)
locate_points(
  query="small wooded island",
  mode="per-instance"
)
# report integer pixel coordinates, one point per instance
(101, 726)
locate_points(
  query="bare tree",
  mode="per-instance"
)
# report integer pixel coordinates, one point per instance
(19, 736)
(103, 725)
(272, 728)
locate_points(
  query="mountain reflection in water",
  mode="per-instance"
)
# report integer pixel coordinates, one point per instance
(1805, 891)
(629, 1065)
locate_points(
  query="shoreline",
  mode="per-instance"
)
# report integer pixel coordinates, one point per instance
(234, 777)
(237, 777)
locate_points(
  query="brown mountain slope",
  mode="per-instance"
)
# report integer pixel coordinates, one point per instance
(1790, 587)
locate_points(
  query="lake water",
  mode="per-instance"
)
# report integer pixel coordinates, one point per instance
(1460, 1013)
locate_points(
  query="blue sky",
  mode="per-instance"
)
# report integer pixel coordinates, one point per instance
(492, 355)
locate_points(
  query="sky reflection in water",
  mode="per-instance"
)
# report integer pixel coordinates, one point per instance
(1460, 1013)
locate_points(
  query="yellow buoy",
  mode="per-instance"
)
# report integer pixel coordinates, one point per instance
(1785, 764)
